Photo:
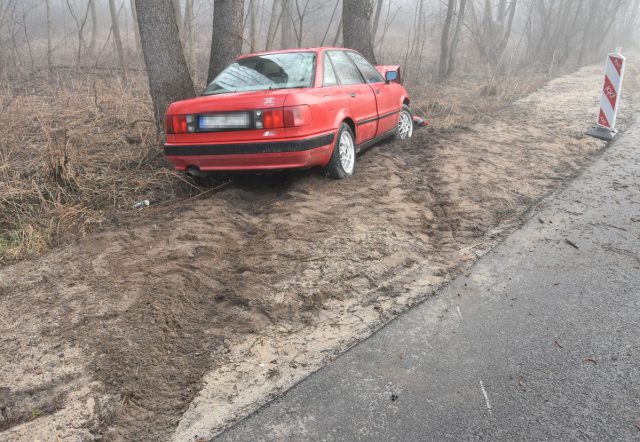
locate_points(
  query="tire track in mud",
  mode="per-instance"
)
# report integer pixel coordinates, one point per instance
(144, 313)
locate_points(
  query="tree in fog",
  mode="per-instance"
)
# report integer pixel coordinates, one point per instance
(448, 44)
(226, 39)
(356, 27)
(169, 78)
(49, 49)
(492, 28)
(189, 37)
(94, 27)
(115, 27)
(80, 19)
(274, 23)
(136, 33)
(286, 24)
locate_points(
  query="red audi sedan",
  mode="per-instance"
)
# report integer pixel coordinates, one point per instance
(288, 109)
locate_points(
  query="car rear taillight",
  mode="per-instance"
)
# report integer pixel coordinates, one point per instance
(297, 116)
(293, 116)
(269, 118)
(180, 124)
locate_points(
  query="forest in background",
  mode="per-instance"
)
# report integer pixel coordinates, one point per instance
(79, 144)
(427, 37)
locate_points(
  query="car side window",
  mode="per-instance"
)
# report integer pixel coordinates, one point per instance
(329, 75)
(370, 73)
(346, 70)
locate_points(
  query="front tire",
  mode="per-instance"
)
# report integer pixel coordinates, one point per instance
(343, 159)
(405, 123)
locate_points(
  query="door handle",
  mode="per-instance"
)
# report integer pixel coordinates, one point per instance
(353, 95)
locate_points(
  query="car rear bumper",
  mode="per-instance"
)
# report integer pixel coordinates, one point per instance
(281, 154)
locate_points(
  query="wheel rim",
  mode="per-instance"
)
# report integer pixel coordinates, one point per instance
(405, 125)
(347, 152)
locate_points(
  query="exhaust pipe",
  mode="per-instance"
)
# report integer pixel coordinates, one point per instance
(194, 171)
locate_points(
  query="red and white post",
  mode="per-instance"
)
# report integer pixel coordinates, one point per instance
(610, 98)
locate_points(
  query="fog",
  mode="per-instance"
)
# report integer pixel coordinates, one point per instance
(539, 35)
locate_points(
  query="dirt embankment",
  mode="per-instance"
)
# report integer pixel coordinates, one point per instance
(262, 282)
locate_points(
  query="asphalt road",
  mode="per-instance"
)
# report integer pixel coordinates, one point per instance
(540, 340)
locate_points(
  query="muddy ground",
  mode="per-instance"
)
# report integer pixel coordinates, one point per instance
(247, 289)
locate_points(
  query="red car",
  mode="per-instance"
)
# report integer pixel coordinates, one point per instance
(288, 109)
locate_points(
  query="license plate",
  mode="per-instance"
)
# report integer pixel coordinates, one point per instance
(224, 121)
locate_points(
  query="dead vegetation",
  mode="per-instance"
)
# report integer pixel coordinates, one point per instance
(78, 149)
(471, 98)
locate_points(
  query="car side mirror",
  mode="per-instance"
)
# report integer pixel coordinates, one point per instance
(390, 76)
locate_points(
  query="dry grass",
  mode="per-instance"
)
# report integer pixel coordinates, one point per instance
(461, 101)
(77, 150)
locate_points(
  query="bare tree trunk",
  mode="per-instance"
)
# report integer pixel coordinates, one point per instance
(189, 37)
(301, 13)
(94, 27)
(80, 22)
(252, 25)
(27, 39)
(388, 21)
(7, 10)
(444, 40)
(333, 14)
(356, 27)
(169, 78)
(226, 40)
(585, 35)
(176, 10)
(274, 20)
(287, 31)
(509, 25)
(491, 36)
(49, 50)
(376, 20)
(115, 26)
(456, 38)
(136, 31)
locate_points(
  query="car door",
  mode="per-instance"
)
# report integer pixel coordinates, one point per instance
(387, 99)
(361, 101)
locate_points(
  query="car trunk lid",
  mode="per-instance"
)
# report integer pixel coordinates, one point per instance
(227, 117)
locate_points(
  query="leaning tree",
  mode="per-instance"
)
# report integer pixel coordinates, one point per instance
(169, 78)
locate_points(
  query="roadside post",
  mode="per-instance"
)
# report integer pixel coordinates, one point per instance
(604, 128)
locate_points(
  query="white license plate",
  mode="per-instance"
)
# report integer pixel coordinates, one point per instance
(225, 121)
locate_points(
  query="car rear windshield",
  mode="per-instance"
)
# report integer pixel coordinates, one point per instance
(262, 72)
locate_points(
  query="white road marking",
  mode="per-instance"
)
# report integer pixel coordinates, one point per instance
(486, 398)
(459, 312)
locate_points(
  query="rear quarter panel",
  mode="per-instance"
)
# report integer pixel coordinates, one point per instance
(328, 109)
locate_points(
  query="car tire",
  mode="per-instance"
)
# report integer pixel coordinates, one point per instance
(404, 130)
(343, 159)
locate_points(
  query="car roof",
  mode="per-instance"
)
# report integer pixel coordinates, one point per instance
(281, 51)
